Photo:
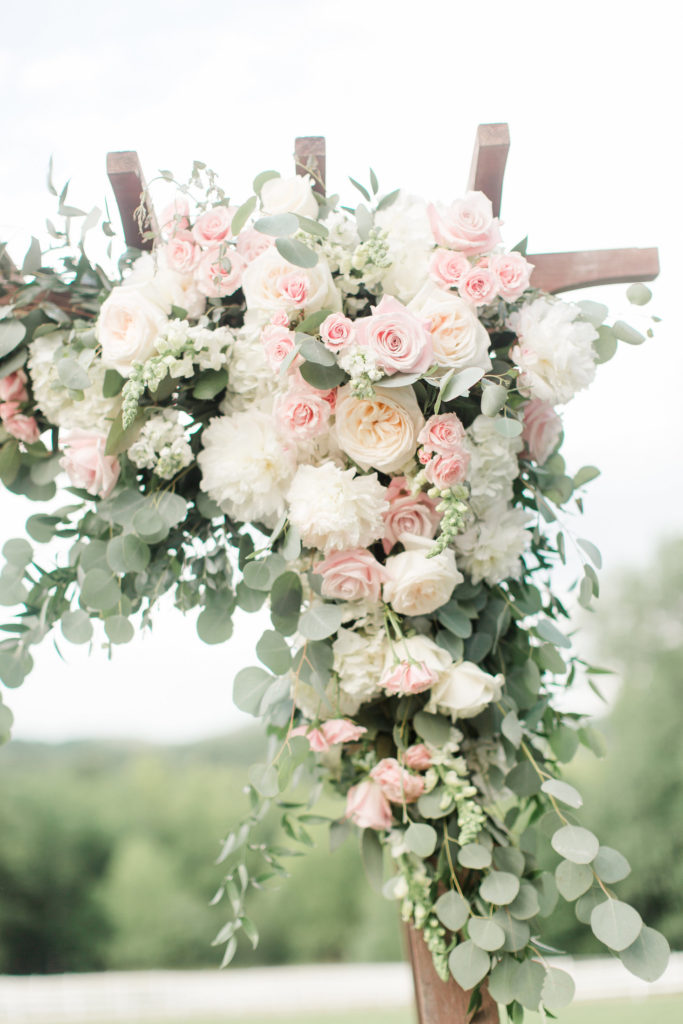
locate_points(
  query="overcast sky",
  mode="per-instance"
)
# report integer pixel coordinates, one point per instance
(595, 162)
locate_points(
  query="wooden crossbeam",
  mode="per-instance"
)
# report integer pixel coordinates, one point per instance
(563, 271)
(309, 158)
(442, 1002)
(128, 182)
(490, 155)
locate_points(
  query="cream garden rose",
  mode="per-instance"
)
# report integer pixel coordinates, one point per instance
(459, 339)
(379, 432)
(127, 328)
(270, 283)
(418, 585)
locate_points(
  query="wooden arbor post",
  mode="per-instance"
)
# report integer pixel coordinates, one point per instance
(438, 1002)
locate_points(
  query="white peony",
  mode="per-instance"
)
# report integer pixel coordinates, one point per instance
(493, 464)
(410, 243)
(246, 467)
(464, 691)
(379, 432)
(554, 351)
(271, 283)
(92, 413)
(334, 509)
(290, 195)
(459, 339)
(491, 549)
(418, 585)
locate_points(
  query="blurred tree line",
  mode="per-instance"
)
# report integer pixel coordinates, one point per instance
(107, 850)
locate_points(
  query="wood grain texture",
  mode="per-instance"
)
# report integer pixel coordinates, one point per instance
(128, 182)
(309, 158)
(442, 1002)
(563, 271)
(488, 162)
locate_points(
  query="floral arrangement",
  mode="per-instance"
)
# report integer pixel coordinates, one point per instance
(350, 417)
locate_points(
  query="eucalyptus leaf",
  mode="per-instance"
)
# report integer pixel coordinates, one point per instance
(18, 551)
(503, 980)
(296, 252)
(278, 225)
(76, 626)
(529, 984)
(119, 629)
(558, 989)
(648, 956)
(624, 332)
(452, 910)
(486, 934)
(611, 866)
(563, 791)
(273, 650)
(420, 839)
(508, 427)
(72, 374)
(321, 620)
(499, 887)
(493, 398)
(262, 178)
(250, 687)
(576, 844)
(638, 294)
(460, 383)
(525, 903)
(322, 377)
(472, 855)
(12, 333)
(509, 858)
(616, 924)
(433, 729)
(517, 933)
(127, 553)
(573, 880)
(468, 964)
(372, 855)
(214, 622)
(264, 779)
(547, 630)
(242, 215)
(100, 590)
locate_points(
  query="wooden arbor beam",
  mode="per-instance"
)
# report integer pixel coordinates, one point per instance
(562, 271)
(309, 158)
(128, 182)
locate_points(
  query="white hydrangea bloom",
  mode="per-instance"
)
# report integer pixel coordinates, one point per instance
(162, 445)
(359, 659)
(493, 464)
(92, 413)
(334, 509)
(410, 246)
(491, 549)
(250, 376)
(554, 351)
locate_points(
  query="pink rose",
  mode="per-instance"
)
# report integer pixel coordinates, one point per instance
(175, 216)
(467, 225)
(86, 464)
(542, 429)
(408, 677)
(341, 730)
(367, 806)
(337, 332)
(418, 758)
(13, 387)
(400, 340)
(351, 575)
(294, 286)
(511, 272)
(181, 252)
(280, 318)
(213, 226)
(303, 414)
(408, 513)
(220, 273)
(443, 471)
(448, 268)
(278, 342)
(443, 434)
(398, 785)
(251, 243)
(478, 286)
(24, 428)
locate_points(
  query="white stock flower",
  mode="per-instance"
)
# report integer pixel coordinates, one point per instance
(493, 464)
(161, 445)
(459, 339)
(491, 548)
(410, 243)
(246, 467)
(463, 691)
(554, 351)
(290, 195)
(418, 585)
(379, 432)
(335, 509)
(92, 413)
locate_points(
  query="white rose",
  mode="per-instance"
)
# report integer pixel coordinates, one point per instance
(290, 195)
(463, 691)
(334, 509)
(165, 287)
(420, 650)
(265, 286)
(418, 585)
(459, 338)
(127, 328)
(380, 432)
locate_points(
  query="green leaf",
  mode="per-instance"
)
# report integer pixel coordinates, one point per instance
(508, 427)
(626, 333)
(563, 791)
(388, 200)
(452, 910)
(592, 552)
(242, 215)
(434, 729)
(372, 855)
(149, 524)
(486, 934)
(472, 855)
(593, 312)
(278, 225)
(638, 294)
(321, 620)
(547, 630)
(468, 964)
(322, 377)
(648, 956)
(573, 880)
(587, 903)
(503, 980)
(112, 384)
(585, 475)
(361, 188)
(10, 462)
(517, 933)
(260, 575)
(374, 184)
(499, 887)
(76, 626)
(214, 622)
(296, 252)
(273, 650)
(455, 620)
(592, 739)
(100, 590)
(523, 779)
(564, 742)
(558, 989)
(312, 227)
(525, 903)
(311, 323)
(314, 351)
(32, 259)
(209, 384)
(493, 398)
(460, 383)
(18, 551)
(547, 893)
(398, 380)
(15, 664)
(264, 779)
(249, 600)
(363, 222)
(262, 178)
(285, 603)
(120, 440)
(605, 345)
(119, 629)
(127, 553)
(616, 924)
(509, 858)
(435, 804)
(12, 333)
(512, 729)
(420, 839)
(611, 866)
(72, 374)
(530, 980)
(250, 687)
(575, 844)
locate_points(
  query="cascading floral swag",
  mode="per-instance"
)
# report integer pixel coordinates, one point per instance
(348, 417)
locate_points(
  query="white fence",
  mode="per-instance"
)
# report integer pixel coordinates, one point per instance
(157, 996)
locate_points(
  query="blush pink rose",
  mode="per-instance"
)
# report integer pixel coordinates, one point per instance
(407, 678)
(213, 226)
(23, 428)
(367, 806)
(443, 471)
(280, 318)
(251, 243)
(418, 758)
(278, 342)
(442, 434)
(448, 268)
(220, 273)
(400, 341)
(341, 730)
(351, 575)
(511, 272)
(175, 216)
(302, 413)
(468, 225)
(478, 286)
(86, 464)
(294, 287)
(181, 252)
(398, 785)
(542, 429)
(13, 387)
(408, 513)
(337, 332)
